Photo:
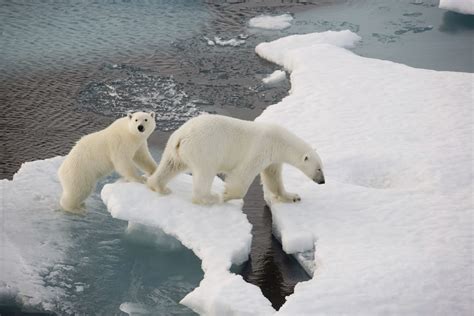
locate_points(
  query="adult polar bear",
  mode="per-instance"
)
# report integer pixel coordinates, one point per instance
(121, 147)
(212, 144)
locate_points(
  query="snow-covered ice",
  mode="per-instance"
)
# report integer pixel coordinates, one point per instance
(392, 228)
(34, 238)
(460, 6)
(342, 39)
(274, 77)
(219, 235)
(269, 22)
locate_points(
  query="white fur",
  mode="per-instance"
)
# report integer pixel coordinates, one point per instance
(120, 147)
(212, 144)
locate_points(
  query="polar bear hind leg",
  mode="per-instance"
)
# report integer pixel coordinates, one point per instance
(202, 183)
(74, 195)
(168, 168)
(272, 183)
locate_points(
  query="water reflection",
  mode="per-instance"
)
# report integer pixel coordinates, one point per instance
(269, 267)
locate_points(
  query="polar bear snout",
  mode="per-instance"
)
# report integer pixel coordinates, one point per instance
(320, 181)
(141, 129)
(319, 178)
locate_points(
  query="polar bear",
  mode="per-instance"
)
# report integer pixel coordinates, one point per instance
(121, 147)
(213, 144)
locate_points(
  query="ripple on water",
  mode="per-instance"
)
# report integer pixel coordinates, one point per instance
(131, 89)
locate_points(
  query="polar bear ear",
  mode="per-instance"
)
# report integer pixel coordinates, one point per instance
(152, 114)
(129, 114)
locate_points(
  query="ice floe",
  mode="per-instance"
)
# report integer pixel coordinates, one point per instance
(460, 6)
(269, 22)
(34, 238)
(274, 77)
(219, 235)
(392, 226)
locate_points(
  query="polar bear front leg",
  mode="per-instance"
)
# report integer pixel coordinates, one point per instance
(144, 160)
(237, 184)
(126, 168)
(272, 182)
(202, 183)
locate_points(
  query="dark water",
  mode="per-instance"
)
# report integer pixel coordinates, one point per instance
(269, 267)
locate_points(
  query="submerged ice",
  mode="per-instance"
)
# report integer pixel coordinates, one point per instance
(69, 265)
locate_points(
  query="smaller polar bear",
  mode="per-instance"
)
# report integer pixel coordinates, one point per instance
(212, 144)
(121, 147)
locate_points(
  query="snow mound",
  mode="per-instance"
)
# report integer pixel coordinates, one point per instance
(394, 219)
(219, 235)
(274, 77)
(268, 22)
(32, 250)
(460, 6)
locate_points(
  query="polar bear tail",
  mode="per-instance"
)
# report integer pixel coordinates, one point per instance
(170, 165)
(172, 150)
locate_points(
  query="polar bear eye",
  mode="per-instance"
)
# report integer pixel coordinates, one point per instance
(146, 120)
(305, 158)
(136, 120)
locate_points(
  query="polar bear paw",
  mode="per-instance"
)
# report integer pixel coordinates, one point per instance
(163, 190)
(206, 199)
(137, 179)
(288, 198)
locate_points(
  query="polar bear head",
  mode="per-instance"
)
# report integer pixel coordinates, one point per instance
(312, 166)
(141, 124)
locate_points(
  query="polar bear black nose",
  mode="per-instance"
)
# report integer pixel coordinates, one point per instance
(319, 180)
(141, 128)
